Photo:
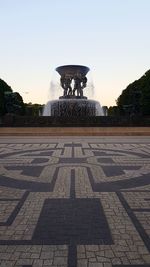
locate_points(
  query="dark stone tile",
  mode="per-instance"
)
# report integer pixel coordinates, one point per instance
(99, 153)
(115, 152)
(46, 153)
(75, 221)
(105, 160)
(117, 170)
(72, 160)
(40, 160)
(27, 153)
(73, 145)
(27, 170)
(142, 210)
(72, 256)
(72, 186)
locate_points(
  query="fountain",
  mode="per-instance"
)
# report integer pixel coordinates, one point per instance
(73, 103)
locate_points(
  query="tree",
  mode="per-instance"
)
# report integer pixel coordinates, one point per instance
(33, 109)
(113, 111)
(4, 87)
(135, 99)
(10, 102)
(14, 103)
(145, 98)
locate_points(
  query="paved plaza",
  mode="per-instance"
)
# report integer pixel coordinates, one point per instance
(74, 201)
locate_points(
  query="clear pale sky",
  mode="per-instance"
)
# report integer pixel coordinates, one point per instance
(112, 37)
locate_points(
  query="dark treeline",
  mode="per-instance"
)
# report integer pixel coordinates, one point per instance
(135, 99)
(12, 103)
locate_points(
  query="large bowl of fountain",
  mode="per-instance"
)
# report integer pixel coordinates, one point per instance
(72, 102)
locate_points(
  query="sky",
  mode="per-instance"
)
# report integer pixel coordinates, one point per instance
(111, 37)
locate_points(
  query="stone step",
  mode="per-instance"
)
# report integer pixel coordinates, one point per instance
(75, 131)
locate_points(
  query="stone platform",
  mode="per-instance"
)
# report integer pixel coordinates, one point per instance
(74, 201)
(75, 131)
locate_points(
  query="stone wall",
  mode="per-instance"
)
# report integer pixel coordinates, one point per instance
(99, 121)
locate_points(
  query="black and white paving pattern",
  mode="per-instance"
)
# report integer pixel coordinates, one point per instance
(75, 202)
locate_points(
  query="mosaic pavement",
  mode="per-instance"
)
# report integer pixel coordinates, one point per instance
(80, 202)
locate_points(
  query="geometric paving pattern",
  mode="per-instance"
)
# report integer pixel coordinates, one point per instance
(75, 203)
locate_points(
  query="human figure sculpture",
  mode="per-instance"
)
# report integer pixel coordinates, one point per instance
(78, 86)
(84, 82)
(62, 83)
(66, 85)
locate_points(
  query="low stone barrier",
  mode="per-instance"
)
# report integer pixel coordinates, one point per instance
(75, 131)
(99, 121)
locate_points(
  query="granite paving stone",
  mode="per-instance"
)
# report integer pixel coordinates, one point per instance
(75, 202)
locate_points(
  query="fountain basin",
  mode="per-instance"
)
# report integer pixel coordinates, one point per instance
(72, 70)
(73, 108)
